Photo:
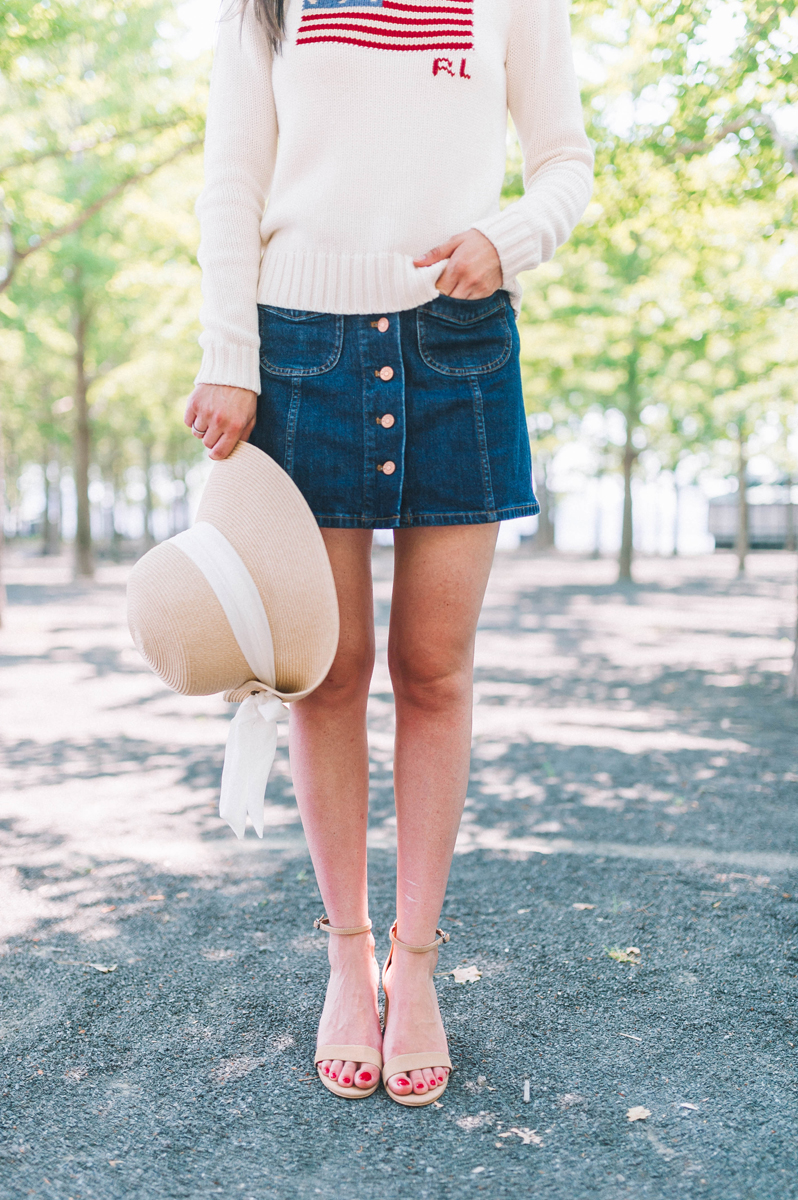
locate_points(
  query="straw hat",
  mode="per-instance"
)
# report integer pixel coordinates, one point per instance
(243, 602)
(177, 620)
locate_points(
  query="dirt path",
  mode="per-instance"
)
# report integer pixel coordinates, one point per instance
(634, 784)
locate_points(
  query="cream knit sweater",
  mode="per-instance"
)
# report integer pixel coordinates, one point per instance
(377, 132)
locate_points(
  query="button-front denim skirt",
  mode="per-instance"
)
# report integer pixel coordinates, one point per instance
(398, 419)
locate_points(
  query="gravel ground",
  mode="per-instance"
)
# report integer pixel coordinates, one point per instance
(634, 785)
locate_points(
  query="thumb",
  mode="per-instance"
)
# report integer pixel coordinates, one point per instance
(438, 254)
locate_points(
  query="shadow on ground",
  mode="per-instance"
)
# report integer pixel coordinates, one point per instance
(626, 885)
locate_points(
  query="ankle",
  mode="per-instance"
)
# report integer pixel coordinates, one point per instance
(416, 966)
(355, 948)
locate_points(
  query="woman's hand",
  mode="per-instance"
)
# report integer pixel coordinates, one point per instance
(222, 416)
(474, 270)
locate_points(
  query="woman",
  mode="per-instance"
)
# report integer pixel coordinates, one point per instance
(384, 377)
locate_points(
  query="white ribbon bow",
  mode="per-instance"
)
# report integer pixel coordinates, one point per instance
(252, 740)
(248, 758)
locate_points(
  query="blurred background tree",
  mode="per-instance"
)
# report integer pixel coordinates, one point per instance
(98, 238)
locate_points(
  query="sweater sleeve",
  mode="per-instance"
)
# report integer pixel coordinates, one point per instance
(544, 102)
(240, 151)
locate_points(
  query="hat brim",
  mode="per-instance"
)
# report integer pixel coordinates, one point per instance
(177, 621)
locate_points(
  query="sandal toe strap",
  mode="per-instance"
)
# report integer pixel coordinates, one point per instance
(355, 1054)
(415, 1062)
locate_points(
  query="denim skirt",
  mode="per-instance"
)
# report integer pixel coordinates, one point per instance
(398, 419)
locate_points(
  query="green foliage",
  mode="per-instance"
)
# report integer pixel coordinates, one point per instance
(103, 123)
(672, 304)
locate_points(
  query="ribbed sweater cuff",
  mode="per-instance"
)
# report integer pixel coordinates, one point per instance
(236, 366)
(516, 246)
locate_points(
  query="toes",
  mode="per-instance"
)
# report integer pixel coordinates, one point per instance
(430, 1078)
(346, 1078)
(335, 1068)
(400, 1084)
(441, 1074)
(418, 1082)
(324, 1066)
(365, 1076)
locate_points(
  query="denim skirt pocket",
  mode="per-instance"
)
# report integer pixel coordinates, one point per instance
(298, 343)
(465, 337)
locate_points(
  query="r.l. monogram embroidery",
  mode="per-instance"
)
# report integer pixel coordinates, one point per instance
(390, 25)
(446, 65)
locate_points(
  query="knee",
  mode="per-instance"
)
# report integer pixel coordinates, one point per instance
(347, 681)
(434, 680)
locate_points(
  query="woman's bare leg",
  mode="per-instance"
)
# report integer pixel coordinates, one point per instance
(440, 575)
(329, 762)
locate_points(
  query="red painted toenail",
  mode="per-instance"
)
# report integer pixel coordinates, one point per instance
(345, 1079)
(419, 1086)
(403, 1082)
(366, 1078)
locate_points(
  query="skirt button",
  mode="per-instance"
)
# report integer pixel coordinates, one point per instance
(388, 420)
(385, 373)
(388, 468)
(383, 324)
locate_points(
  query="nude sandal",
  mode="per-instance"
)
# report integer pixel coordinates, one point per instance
(414, 1062)
(355, 1054)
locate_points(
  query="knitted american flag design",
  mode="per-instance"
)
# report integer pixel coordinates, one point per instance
(388, 24)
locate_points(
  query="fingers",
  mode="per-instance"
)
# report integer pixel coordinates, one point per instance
(222, 442)
(474, 269)
(439, 253)
(465, 281)
(221, 416)
(191, 410)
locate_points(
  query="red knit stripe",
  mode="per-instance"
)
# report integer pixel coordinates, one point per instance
(392, 33)
(426, 8)
(304, 41)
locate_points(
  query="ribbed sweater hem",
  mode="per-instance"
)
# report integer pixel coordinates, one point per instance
(344, 283)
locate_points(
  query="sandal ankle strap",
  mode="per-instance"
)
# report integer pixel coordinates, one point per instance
(440, 940)
(323, 922)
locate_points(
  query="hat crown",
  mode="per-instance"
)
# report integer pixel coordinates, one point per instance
(177, 620)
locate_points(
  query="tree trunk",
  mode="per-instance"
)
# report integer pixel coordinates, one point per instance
(149, 540)
(544, 539)
(2, 520)
(792, 682)
(629, 456)
(742, 506)
(55, 519)
(625, 559)
(51, 517)
(597, 519)
(84, 559)
(791, 529)
(677, 512)
(46, 510)
(116, 537)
